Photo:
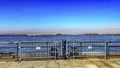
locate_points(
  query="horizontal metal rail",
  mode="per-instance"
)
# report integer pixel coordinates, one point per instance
(60, 41)
(93, 42)
(25, 42)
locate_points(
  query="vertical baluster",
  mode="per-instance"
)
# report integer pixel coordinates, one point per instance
(73, 50)
(20, 48)
(55, 52)
(106, 51)
(81, 44)
(17, 51)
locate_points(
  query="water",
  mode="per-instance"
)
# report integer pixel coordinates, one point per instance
(59, 38)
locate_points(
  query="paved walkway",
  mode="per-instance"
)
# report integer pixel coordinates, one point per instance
(86, 63)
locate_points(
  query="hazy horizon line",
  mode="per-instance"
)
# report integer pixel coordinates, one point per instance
(56, 34)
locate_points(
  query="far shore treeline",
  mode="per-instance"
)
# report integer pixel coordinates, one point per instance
(94, 34)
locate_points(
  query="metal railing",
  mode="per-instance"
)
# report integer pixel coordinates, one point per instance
(59, 50)
(31, 50)
(102, 49)
(40, 50)
(9, 50)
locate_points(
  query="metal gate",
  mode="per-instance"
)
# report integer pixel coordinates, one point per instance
(40, 50)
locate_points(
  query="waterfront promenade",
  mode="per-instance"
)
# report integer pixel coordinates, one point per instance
(76, 63)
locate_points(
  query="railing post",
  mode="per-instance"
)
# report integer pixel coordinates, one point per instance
(47, 50)
(81, 44)
(20, 59)
(73, 50)
(106, 50)
(17, 51)
(64, 49)
(61, 49)
(55, 52)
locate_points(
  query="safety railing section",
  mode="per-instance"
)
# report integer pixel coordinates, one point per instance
(86, 49)
(59, 50)
(101, 49)
(30, 50)
(113, 49)
(40, 50)
(9, 50)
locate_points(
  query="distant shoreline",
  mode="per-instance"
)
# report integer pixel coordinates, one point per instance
(63, 35)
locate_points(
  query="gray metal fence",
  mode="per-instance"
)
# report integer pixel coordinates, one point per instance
(40, 50)
(87, 49)
(9, 51)
(59, 50)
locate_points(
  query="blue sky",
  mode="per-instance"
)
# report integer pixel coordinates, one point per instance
(59, 16)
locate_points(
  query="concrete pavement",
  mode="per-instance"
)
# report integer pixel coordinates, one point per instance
(77, 63)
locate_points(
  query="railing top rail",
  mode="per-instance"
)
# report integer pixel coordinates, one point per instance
(9, 42)
(42, 42)
(114, 41)
(86, 41)
(28, 42)
(93, 42)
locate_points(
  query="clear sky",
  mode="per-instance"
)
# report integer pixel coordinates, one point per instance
(59, 16)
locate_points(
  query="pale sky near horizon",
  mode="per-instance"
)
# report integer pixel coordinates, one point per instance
(59, 16)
